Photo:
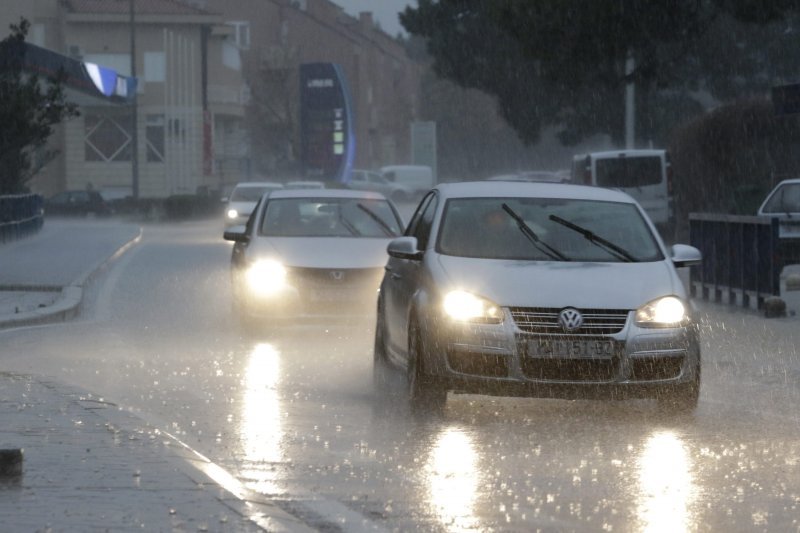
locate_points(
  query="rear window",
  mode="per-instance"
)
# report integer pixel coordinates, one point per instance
(629, 171)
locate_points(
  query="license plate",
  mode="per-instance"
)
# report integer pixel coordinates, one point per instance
(330, 295)
(571, 348)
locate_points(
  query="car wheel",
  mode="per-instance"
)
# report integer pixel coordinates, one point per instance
(424, 391)
(681, 399)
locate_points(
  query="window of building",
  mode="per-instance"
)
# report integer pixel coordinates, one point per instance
(154, 133)
(155, 67)
(241, 34)
(107, 137)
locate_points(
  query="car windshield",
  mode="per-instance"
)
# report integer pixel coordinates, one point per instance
(483, 228)
(329, 217)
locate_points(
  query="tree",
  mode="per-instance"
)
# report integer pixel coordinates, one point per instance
(29, 110)
(562, 63)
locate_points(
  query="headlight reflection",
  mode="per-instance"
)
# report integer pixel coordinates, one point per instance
(261, 430)
(665, 482)
(453, 480)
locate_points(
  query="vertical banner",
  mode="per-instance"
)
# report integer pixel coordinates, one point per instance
(326, 123)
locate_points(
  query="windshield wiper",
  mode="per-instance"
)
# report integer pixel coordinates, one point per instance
(542, 246)
(382, 223)
(608, 246)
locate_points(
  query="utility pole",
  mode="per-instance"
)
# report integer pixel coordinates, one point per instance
(630, 104)
(134, 108)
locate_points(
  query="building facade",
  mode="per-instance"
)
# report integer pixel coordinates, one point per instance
(218, 91)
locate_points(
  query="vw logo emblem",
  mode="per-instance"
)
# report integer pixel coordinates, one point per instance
(337, 275)
(570, 319)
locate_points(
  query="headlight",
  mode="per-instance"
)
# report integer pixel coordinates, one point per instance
(668, 311)
(266, 277)
(233, 213)
(465, 307)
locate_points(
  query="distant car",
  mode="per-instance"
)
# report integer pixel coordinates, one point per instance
(543, 176)
(244, 198)
(416, 178)
(783, 203)
(536, 289)
(368, 180)
(308, 254)
(77, 203)
(304, 184)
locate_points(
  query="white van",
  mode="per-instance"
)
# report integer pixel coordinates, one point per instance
(418, 179)
(644, 174)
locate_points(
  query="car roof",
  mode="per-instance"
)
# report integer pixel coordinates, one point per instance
(789, 181)
(512, 189)
(638, 152)
(326, 193)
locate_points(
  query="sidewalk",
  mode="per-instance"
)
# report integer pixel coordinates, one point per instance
(88, 465)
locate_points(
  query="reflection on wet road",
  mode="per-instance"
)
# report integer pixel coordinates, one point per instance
(292, 415)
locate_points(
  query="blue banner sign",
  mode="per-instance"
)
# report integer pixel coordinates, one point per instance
(326, 123)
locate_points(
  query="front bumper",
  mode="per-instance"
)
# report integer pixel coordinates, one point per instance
(495, 359)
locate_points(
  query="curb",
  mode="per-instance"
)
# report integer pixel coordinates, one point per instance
(68, 304)
(255, 508)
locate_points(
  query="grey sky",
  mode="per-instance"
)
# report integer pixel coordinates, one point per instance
(384, 11)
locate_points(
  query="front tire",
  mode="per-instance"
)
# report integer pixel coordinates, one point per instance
(380, 365)
(424, 391)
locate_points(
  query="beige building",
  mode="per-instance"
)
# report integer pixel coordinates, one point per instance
(276, 36)
(218, 91)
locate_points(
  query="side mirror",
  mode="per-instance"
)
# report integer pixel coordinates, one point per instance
(684, 255)
(236, 234)
(404, 248)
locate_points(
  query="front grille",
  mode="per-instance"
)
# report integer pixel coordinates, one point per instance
(556, 369)
(544, 321)
(334, 291)
(356, 278)
(655, 368)
(478, 364)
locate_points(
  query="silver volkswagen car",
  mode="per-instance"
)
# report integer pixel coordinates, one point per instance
(536, 289)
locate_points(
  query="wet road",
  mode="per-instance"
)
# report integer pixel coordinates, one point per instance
(293, 416)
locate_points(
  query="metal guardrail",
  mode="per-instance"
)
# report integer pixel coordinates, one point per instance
(742, 261)
(20, 215)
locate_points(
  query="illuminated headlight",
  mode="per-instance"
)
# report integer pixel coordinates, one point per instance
(668, 311)
(266, 277)
(465, 307)
(232, 213)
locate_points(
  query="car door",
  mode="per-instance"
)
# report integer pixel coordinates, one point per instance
(403, 277)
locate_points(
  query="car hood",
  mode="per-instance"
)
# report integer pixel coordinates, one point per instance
(562, 284)
(322, 252)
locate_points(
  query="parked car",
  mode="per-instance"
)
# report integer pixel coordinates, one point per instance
(308, 254)
(244, 198)
(418, 179)
(545, 176)
(77, 203)
(304, 184)
(783, 203)
(536, 289)
(368, 180)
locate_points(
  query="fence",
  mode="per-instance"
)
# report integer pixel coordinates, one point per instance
(20, 215)
(742, 258)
